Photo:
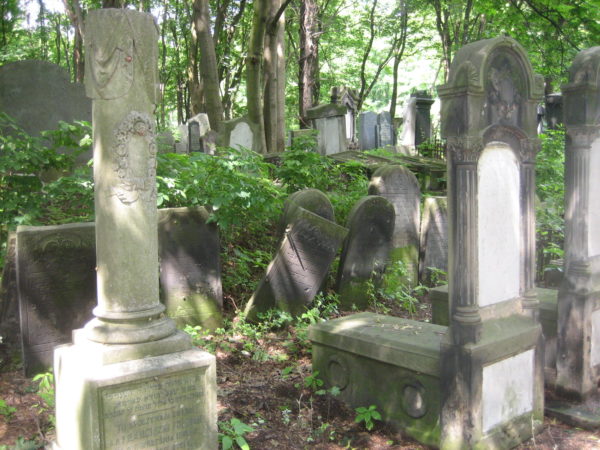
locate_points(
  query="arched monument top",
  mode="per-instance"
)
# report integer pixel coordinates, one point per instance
(586, 68)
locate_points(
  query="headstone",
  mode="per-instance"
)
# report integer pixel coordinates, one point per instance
(190, 270)
(554, 111)
(346, 97)
(434, 238)
(39, 94)
(365, 251)
(129, 380)
(578, 352)
(330, 122)
(312, 200)
(400, 187)
(385, 131)
(165, 142)
(56, 288)
(208, 143)
(423, 104)
(198, 127)
(238, 133)
(183, 146)
(409, 116)
(9, 299)
(241, 136)
(300, 266)
(367, 124)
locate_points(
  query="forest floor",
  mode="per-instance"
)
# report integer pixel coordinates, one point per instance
(264, 386)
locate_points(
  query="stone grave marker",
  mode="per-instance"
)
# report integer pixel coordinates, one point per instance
(367, 125)
(365, 251)
(312, 200)
(400, 187)
(238, 133)
(9, 298)
(190, 270)
(56, 281)
(409, 116)
(198, 127)
(300, 266)
(130, 359)
(423, 104)
(434, 238)
(330, 121)
(385, 130)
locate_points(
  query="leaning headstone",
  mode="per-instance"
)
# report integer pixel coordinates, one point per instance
(56, 288)
(365, 251)
(367, 125)
(398, 185)
(39, 94)
(433, 253)
(300, 266)
(130, 379)
(385, 131)
(330, 121)
(312, 200)
(190, 271)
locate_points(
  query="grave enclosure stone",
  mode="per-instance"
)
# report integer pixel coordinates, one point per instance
(365, 251)
(385, 131)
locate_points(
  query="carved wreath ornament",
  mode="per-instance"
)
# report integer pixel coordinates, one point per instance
(136, 172)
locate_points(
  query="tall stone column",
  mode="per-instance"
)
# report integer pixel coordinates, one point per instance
(130, 380)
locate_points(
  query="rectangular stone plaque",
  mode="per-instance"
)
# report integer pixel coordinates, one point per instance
(434, 237)
(507, 389)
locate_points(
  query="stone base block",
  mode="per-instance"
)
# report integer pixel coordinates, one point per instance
(164, 401)
(385, 361)
(583, 415)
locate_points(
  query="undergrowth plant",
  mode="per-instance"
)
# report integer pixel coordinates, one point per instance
(367, 416)
(233, 432)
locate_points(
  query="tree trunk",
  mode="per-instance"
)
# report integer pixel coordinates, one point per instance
(208, 64)
(73, 9)
(308, 63)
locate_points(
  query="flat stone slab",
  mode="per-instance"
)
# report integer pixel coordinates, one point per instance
(583, 415)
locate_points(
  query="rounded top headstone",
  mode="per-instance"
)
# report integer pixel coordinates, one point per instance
(312, 200)
(586, 67)
(392, 179)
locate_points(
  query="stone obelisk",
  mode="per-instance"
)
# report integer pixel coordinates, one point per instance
(129, 380)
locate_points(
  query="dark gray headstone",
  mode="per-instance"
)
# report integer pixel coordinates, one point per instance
(56, 281)
(312, 200)
(434, 238)
(422, 116)
(398, 185)
(366, 249)
(300, 266)
(9, 302)
(385, 131)
(367, 124)
(194, 136)
(190, 270)
(38, 94)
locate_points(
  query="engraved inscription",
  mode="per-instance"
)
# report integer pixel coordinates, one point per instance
(160, 412)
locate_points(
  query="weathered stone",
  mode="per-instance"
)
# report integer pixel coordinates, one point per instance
(312, 200)
(367, 124)
(423, 104)
(329, 121)
(239, 133)
(434, 239)
(365, 251)
(9, 297)
(554, 111)
(401, 188)
(385, 131)
(409, 117)
(190, 271)
(300, 266)
(39, 94)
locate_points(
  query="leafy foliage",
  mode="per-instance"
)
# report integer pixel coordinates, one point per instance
(367, 415)
(233, 432)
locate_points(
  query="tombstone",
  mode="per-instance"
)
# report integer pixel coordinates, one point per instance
(346, 97)
(238, 133)
(433, 238)
(39, 94)
(190, 270)
(56, 281)
(400, 187)
(312, 200)
(300, 266)
(365, 251)
(330, 122)
(367, 124)
(554, 111)
(208, 142)
(423, 104)
(165, 142)
(130, 359)
(578, 331)
(385, 131)
(477, 383)
(183, 145)
(409, 117)
(198, 127)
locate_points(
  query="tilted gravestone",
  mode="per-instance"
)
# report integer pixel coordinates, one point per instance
(56, 280)
(130, 379)
(365, 251)
(398, 185)
(312, 200)
(434, 239)
(39, 94)
(300, 266)
(330, 121)
(367, 127)
(479, 382)
(385, 130)
(190, 270)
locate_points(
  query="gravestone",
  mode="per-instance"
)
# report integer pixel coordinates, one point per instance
(365, 251)
(367, 125)
(56, 280)
(423, 104)
(330, 122)
(400, 187)
(385, 130)
(434, 238)
(39, 94)
(190, 270)
(346, 97)
(312, 200)
(409, 117)
(238, 133)
(130, 379)
(198, 127)
(554, 111)
(578, 331)
(300, 266)
(9, 299)
(477, 383)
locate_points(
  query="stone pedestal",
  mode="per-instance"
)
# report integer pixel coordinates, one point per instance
(423, 102)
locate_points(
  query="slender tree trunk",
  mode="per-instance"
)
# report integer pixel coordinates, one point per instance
(73, 9)
(208, 64)
(195, 84)
(308, 62)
